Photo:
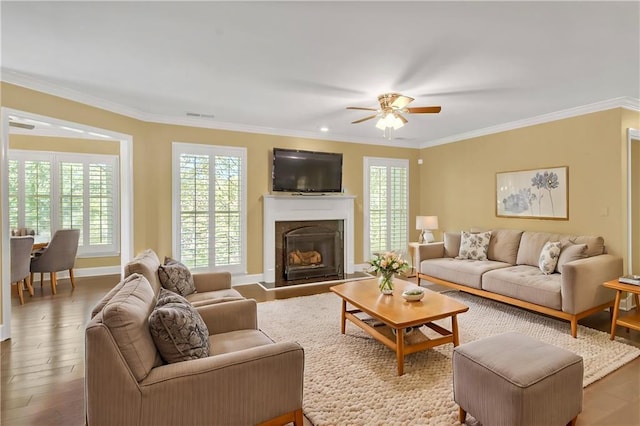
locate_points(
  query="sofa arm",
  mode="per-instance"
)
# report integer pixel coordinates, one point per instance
(430, 251)
(211, 281)
(230, 316)
(581, 285)
(244, 387)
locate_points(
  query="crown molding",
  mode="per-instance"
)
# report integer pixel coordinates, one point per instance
(32, 83)
(29, 82)
(625, 102)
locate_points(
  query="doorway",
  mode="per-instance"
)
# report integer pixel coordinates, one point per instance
(126, 190)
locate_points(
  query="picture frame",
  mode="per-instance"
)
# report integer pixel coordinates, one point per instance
(534, 193)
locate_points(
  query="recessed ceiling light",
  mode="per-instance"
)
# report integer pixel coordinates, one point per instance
(324, 129)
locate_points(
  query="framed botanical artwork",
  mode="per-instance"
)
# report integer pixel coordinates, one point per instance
(536, 193)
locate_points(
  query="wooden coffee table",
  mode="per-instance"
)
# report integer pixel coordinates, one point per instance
(398, 314)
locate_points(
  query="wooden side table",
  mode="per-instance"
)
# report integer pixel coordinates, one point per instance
(629, 321)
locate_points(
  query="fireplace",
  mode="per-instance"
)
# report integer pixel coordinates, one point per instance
(307, 250)
(302, 210)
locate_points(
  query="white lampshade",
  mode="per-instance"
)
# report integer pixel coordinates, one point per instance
(427, 222)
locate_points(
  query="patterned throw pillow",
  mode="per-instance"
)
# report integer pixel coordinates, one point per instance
(167, 296)
(549, 257)
(178, 331)
(176, 277)
(474, 246)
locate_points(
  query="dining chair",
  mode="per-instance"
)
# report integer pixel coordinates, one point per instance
(58, 255)
(20, 262)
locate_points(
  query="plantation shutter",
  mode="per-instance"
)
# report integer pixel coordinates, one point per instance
(37, 196)
(387, 205)
(51, 190)
(209, 218)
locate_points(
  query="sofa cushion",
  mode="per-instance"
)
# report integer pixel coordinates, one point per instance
(212, 297)
(526, 283)
(178, 330)
(237, 340)
(531, 245)
(474, 246)
(451, 243)
(145, 263)
(595, 245)
(127, 317)
(549, 257)
(176, 277)
(465, 272)
(569, 253)
(503, 245)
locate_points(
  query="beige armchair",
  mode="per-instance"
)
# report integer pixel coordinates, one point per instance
(248, 379)
(58, 255)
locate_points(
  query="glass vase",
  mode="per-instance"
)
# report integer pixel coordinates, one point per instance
(385, 282)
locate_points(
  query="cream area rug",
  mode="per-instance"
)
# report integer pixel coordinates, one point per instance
(351, 378)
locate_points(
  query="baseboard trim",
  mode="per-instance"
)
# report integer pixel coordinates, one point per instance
(88, 272)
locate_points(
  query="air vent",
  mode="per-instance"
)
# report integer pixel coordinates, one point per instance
(198, 115)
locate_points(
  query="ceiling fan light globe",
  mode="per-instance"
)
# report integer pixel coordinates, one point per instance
(397, 123)
(381, 124)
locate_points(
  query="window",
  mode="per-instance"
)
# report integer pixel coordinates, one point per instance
(386, 205)
(50, 191)
(209, 199)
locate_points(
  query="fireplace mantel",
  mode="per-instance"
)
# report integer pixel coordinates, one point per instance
(306, 207)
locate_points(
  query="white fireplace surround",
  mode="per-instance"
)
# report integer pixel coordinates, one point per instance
(279, 208)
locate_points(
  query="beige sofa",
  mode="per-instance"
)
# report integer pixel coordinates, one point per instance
(247, 379)
(211, 287)
(511, 273)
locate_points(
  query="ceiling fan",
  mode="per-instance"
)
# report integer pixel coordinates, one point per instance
(392, 106)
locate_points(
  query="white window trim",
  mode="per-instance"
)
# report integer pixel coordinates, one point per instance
(178, 148)
(378, 161)
(55, 158)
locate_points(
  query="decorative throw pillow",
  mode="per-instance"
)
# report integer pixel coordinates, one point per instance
(474, 246)
(167, 296)
(178, 331)
(569, 253)
(176, 277)
(549, 257)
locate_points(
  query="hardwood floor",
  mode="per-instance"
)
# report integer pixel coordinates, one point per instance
(42, 366)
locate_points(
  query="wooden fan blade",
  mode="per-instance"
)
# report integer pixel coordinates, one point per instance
(363, 108)
(401, 101)
(424, 110)
(404, 120)
(364, 119)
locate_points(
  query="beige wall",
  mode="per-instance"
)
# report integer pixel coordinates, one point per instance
(259, 148)
(457, 181)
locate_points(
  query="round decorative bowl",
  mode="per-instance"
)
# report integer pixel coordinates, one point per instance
(413, 294)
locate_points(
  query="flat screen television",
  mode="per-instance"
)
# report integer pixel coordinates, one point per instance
(306, 171)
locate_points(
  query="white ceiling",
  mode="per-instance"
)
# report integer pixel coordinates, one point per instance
(292, 67)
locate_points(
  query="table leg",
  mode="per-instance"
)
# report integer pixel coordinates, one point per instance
(454, 330)
(343, 317)
(616, 308)
(400, 350)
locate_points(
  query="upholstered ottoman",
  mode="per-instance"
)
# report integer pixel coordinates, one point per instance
(515, 380)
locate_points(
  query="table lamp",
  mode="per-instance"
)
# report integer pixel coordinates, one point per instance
(426, 224)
